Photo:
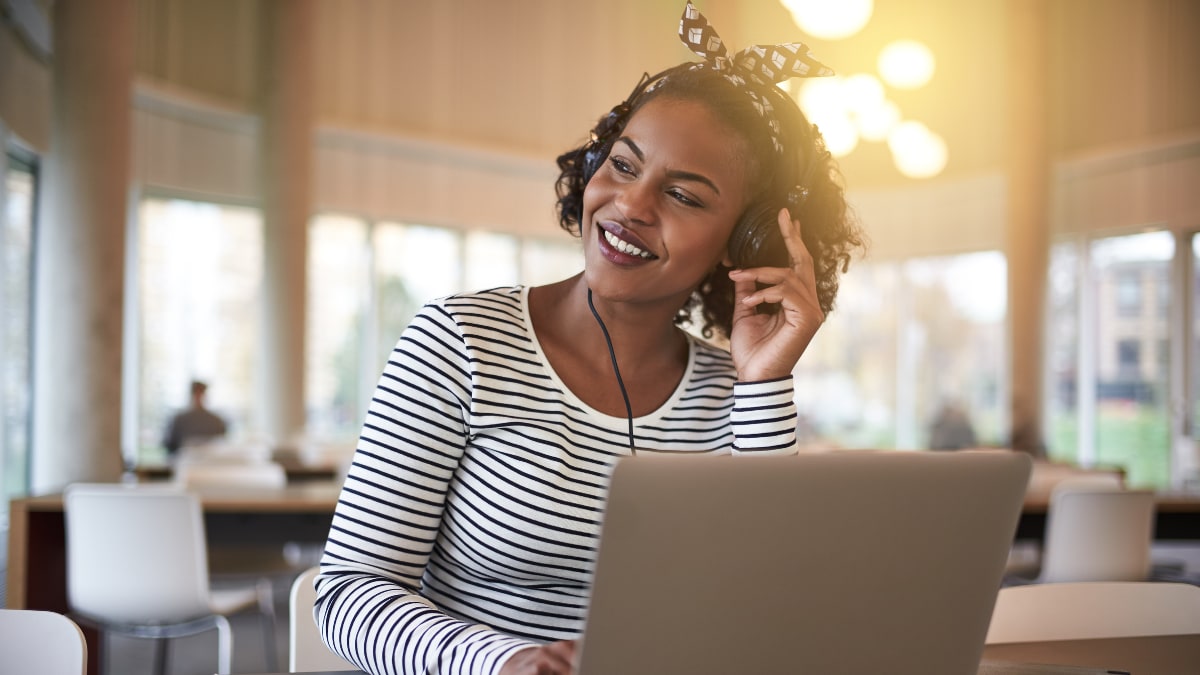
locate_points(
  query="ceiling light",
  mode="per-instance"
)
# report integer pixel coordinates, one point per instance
(830, 20)
(906, 64)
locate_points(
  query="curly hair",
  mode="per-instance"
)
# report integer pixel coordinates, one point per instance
(829, 229)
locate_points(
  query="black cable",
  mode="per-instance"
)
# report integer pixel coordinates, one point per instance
(612, 355)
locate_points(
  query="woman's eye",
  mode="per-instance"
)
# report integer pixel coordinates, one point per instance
(621, 165)
(683, 198)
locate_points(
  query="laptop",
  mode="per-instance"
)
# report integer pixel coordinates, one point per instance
(843, 562)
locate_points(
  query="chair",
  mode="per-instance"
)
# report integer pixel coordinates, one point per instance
(1095, 531)
(308, 652)
(1095, 609)
(33, 641)
(230, 475)
(244, 564)
(136, 565)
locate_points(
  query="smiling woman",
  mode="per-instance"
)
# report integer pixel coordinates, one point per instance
(466, 531)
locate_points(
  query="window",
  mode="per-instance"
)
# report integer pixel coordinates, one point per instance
(1062, 352)
(905, 340)
(1128, 293)
(17, 195)
(1129, 359)
(846, 381)
(367, 280)
(490, 259)
(1130, 400)
(1189, 471)
(545, 261)
(338, 287)
(200, 277)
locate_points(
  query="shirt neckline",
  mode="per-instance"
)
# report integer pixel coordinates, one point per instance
(613, 420)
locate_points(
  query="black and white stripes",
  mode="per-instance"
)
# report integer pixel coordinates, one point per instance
(468, 522)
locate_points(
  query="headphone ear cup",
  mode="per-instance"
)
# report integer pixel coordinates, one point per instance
(592, 157)
(756, 241)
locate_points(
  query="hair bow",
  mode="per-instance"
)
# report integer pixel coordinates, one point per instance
(764, 64)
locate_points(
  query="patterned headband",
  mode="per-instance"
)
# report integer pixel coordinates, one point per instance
(760, 65)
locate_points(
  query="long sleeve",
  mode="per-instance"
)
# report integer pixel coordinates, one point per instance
(764, 417)
(477, 491)
(388, 516)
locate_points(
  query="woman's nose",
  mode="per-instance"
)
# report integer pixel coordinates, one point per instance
(636, 201)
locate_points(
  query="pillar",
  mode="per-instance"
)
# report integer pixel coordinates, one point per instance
(287, 105)
(80, 241)
(1027, 237)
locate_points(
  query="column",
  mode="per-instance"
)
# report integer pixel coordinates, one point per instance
(81, 247)
(1027, 239)
(287, 109)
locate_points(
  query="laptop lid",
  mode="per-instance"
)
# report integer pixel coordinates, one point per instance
(846, 562)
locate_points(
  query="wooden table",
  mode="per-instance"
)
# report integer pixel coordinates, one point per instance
(302, 513)
(1152, 655)
(1144, 655)
(37, 543)
(1176, 517)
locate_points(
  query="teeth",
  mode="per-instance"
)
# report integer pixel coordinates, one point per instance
(625, 247)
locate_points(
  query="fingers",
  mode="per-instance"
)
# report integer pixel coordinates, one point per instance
(744, 286)
(793, 286)
(790, 229)
(556, 658)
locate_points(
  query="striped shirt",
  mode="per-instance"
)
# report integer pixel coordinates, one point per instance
(467, 526)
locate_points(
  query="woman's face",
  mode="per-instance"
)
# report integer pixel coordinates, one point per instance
(658, 212)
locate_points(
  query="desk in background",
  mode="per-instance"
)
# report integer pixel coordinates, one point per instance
(37, 543)
(303, 512)
(297, 471)
(1176, 517)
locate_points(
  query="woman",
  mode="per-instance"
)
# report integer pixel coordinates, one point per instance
(465, 535)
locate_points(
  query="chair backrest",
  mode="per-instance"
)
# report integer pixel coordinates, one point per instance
(135, 554)
(33, 641)
(308, 652)
(1097, 532)
(217, 474)
(1095, 609)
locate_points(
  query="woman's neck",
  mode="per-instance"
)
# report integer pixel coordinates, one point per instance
(641, 333)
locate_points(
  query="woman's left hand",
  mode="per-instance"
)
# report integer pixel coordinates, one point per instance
(767, 346)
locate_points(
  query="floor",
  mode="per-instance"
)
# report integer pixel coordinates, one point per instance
(197, 654)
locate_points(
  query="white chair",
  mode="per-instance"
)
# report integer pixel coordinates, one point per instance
(308, 652)
(257, 565)
(1095, 531)
(33, 641)
(136, 565)
(1096, 609)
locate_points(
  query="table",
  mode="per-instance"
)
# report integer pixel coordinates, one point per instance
(1153, 655)
(1176, 517)
(1147, 655)
(37, 545)
(296, 470)
(37, 549)
(303, 512)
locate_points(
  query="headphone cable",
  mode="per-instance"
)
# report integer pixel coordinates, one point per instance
(612, 355)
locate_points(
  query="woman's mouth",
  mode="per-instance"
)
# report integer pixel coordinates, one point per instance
(626, 247)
